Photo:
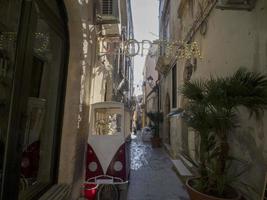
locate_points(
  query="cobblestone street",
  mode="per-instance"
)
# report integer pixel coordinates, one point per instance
(152, 176)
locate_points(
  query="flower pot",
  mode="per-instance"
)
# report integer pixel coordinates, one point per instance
(196, 195)
(156, 142)
(89, 191)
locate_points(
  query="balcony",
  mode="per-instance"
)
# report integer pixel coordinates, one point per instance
(111, 30)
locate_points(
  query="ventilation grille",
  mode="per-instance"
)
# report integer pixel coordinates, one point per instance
(107, 7)
(107, 12)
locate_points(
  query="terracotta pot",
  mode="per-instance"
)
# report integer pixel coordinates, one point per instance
(196, 195)
(156, 142)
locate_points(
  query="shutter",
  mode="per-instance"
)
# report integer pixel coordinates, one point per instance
(107, 7)
(108, 12)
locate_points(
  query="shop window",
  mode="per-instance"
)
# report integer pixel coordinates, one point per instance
(174, 87)
(37, 164)
(9, 21)
(30, 104)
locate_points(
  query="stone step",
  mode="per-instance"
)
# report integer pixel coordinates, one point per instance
(181, 168)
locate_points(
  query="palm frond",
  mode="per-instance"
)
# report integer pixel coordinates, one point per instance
(193, 90)
(213, 112)
(251, 91)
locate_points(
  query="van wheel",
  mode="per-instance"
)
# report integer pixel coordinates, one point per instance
(108, 192)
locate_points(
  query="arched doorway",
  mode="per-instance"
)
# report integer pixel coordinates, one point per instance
(167, 110)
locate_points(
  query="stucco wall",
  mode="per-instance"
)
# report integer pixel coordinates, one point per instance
(149, 70)
(166, 81)
(165, 95)
(75, 122)
(238, 39)
(176, 142)
(85, 85)
(233, 39)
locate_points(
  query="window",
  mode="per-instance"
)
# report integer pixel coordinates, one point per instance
(174, 87)
(108, 121)
(40, 136)
(236, 4)
(107, 12)
(9, 21)
(166, 30)
(29, 130)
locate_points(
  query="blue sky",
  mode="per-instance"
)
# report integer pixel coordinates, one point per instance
(145, 19)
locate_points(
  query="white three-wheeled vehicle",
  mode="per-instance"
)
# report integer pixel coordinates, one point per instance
(108, 155)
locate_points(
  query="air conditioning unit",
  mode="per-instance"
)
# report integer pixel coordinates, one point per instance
(108, 12)
(236, 4)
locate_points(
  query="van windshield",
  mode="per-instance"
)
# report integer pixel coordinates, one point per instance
(107, 121)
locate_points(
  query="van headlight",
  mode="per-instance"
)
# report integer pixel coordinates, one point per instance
(118, 166)
(92, 166)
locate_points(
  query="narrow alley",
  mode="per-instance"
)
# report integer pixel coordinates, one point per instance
(133, 99)
(152, 176)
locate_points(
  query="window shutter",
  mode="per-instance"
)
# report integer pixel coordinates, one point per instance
(107, 7)
(108, 12)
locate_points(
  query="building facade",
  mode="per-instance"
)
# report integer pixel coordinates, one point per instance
(48, 55)
(229, 34)
(150, 77)
(112, 75)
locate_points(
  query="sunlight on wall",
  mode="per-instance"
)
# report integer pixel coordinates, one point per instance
(81, 2)
(84, 56)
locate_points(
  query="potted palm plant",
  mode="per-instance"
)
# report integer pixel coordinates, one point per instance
(212, 110)
(156, 118)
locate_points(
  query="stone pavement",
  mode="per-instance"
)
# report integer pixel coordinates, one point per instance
(152, 176)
